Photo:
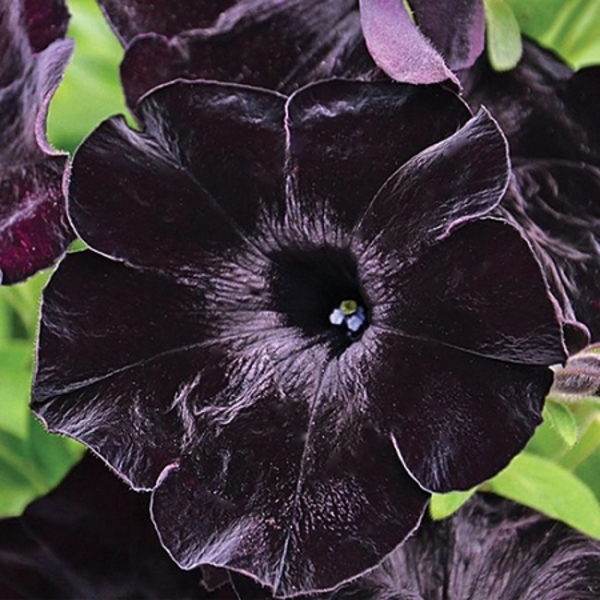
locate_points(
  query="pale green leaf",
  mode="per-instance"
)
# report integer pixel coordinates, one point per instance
(589, 442)
(91, 90)
(569, 27)
(16, 361)
(445, 505)
(551, 489)
(503, 35)
(563, 421)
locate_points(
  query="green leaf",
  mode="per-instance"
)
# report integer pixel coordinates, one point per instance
(91, 90)
(563, 421)
(31, 467)
(16, 361)
(550, 489)
(24, 299)
(5, 320)
(445, 505)
(572, 29)
(589, 442)
(503, 35)
(20, 481)
(53, 454)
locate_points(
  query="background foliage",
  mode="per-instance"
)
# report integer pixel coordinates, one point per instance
(558, 473)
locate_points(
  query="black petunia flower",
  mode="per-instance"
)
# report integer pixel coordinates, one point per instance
(491, 548)
(295, 320)
(34, 230)
(285, 45)
(549, 115)
(266, 43)
(93, 538)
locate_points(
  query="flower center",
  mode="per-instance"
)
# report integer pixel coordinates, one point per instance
(349, 315)
(317, 290)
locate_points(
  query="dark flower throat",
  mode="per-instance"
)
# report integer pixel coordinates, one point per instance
(318, 291)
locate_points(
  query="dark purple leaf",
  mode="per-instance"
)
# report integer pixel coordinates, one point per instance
(455, 28)
(34, 230)
(398, 46)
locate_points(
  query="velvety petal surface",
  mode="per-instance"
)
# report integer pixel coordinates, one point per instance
(346, 138)
(481, 290)
(398, 46)
(544, 109)
(297, 520)
(557, 203)
(193, 184)
(548, 114)
(112, 389)
(456, 418)
(266, 43)
(456, 180)
(167, 17)
(34, 230)
(491, 548)
(33, 227)
(91, 538)
(229, 138)
(45, 21)
(456, 28)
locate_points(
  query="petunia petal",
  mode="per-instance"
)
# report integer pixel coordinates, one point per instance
(229, 138)
(172, 196)
(456, 418)
(33, 227)
(548, 114)
(298, 520)
(457, 180)
(490, 548)
(266, 43)
(91, 538)
(557, 203)
(45, 22)
(34, 230)
(167, 17)
(398, 46)
(544, 109)
(80, 388)
(481, 290)
(346, 138)
(456, 29)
